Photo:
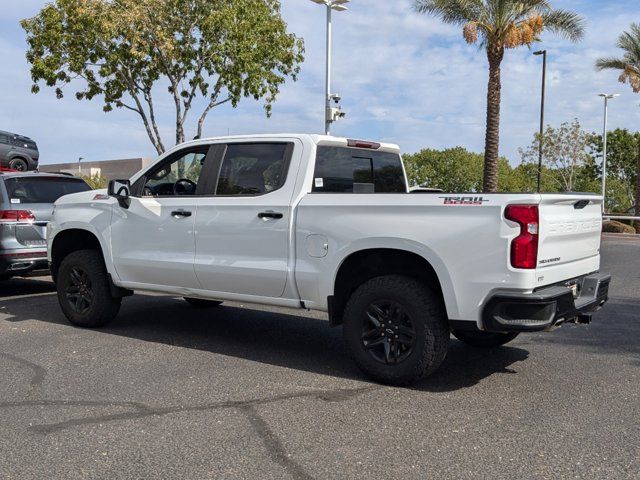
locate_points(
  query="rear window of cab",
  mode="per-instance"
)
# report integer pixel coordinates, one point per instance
(355, 170)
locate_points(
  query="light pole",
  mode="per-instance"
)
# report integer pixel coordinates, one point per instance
(79, 167)
(544, 84)
(607, 97)
(331, 114)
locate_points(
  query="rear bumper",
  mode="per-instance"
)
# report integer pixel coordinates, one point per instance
(547, 307)
(22, 262)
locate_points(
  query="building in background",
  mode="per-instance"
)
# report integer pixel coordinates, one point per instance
(109, 169)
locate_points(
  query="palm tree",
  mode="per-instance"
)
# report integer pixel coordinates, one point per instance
(499, 25)
(629, 66)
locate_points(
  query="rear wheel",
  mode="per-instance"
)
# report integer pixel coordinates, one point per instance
(18, 164)
(202, 303)
(484, 339)
(83, 290)
(395, 329)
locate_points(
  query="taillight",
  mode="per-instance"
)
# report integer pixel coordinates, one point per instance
(524, 248)
(16, 216)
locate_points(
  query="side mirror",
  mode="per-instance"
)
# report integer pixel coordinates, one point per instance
(120, 190)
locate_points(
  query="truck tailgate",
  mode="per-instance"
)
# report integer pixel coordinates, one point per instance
(570, 230)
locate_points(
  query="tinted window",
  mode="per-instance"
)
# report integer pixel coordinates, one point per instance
(178, 177)
(4, 139)
(253, 169)
(22, 143)
(42, 190)
(352, 170)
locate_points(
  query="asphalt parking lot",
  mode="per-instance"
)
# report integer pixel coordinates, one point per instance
(170, 391)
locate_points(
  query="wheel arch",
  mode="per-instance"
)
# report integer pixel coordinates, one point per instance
(363, 265)
(69, 241)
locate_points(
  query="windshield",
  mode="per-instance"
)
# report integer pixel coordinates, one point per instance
(43, 189)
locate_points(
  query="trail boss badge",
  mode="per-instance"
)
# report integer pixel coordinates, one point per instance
(464, 200)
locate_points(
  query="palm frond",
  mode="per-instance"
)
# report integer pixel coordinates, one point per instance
(611, 63)
(457, 12)
(565, 23)
(630, 43)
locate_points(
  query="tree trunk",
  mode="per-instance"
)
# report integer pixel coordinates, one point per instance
(492, 139)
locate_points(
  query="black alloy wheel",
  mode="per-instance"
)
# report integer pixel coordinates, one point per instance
(387, 332)
(78, 291)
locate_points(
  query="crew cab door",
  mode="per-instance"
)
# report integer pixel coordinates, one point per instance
(242, 231)
(153, 239)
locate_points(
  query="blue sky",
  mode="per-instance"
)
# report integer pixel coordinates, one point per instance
(404, 78)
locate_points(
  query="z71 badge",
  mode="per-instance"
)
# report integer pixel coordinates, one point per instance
(464, 200)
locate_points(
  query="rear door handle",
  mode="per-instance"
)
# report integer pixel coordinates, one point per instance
(181, 213)
(270, 214)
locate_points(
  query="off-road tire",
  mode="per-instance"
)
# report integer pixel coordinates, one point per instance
(103, 308)
(484, 339)
(202, 303)
(426, 313)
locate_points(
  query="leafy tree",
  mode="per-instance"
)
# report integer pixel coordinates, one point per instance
(96, 181)
(623, 156)
(452, 170)
(216, 51)
(457, 170)
(564, 152)
(498, 25)
(525, 177)
(629, 67)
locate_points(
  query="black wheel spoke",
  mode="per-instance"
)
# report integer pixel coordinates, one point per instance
(377, 311)
(375, 343)
(368, 336)
(373, 320)
(392, 338)
(75, 277)
(78, 290)
(387, 352)
(407, 331)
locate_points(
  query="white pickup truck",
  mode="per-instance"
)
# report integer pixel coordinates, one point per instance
(329, 224)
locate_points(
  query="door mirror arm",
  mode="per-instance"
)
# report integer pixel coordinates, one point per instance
(121, 191)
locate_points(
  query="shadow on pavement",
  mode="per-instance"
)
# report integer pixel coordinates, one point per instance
(281, 339)
(26, 286)
(615, 330)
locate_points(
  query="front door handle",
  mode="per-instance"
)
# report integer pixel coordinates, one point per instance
(181, 213)
(270, 214)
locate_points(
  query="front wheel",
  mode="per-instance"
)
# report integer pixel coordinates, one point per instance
(484, 339)
(395, 329)
(83, 290)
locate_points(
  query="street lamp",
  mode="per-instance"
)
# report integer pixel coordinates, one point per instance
(331, 114)
(79, 167)
(544, 82)
(607, 97)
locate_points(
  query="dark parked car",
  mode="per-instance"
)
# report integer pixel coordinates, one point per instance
(18, 152)
(26, 205)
